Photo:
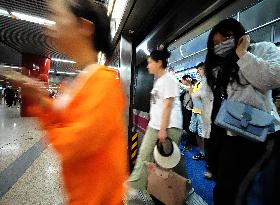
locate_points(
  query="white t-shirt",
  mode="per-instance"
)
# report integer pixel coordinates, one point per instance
(165, 87)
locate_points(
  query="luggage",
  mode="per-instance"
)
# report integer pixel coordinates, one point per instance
(166, 185)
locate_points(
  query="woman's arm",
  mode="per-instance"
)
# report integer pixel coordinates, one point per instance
(261, 69)
(97, 112)
(167, 106)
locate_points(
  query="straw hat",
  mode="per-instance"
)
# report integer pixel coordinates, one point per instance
(167, 154)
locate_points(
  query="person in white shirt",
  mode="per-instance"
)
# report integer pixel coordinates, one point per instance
(165, 118)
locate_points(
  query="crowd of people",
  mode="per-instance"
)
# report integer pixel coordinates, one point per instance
(246, 72)
(235, 70)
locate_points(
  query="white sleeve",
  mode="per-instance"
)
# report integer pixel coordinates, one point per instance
(262, 69)
(171, 88)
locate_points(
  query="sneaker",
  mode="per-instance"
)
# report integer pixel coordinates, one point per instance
(208, 175)
(199, 156)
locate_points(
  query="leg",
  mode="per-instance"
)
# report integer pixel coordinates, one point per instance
(175, 134)
(138, 178)
(180, 169)
(213, 147)
(200, 142)
(237, 156)
(199, 139)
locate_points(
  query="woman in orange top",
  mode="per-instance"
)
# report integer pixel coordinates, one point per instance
(86, 125)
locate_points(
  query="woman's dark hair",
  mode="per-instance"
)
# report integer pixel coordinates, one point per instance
(162, 55)
(185, 77)
(201, 64)
(96, 13)
(229, 68)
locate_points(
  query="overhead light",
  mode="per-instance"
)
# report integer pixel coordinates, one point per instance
(70, 73)
(61, 72)
(4, 12)
(62, 60)
(15, 67)
(116, 8)
(33, 19)
(110, 7)
(8, 66)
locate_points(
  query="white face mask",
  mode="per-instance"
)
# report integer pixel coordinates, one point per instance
(224, 48)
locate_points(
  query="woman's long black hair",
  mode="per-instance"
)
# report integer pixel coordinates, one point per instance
(228, 72)
(96, 13)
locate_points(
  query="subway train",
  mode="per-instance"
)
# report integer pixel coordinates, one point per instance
(30, 169)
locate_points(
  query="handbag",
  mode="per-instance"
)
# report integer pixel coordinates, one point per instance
(166, 185)
(245, 120)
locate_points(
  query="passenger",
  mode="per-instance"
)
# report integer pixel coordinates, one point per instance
(86, 129)
(165, 118)
(9, 95)
(196, 119)
(240, 72)
(196, 123)
(187, 106)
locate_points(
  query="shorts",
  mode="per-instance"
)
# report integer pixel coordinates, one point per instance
(196, 124)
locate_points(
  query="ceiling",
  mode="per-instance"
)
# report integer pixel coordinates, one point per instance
(27, 37)
(140, 18)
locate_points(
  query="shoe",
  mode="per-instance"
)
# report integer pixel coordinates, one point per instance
(187, 148)
(208, 175)
(199, 156)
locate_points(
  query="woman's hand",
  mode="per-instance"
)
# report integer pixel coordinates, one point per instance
(162, 135)
(189, 81)
(242, 46)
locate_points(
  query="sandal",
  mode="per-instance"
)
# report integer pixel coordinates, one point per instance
(208, 175)
(199, 156)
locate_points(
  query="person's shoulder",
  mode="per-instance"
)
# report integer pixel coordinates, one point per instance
(108, 73)
(170, 77)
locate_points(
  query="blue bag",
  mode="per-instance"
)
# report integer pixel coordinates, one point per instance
(245, 120)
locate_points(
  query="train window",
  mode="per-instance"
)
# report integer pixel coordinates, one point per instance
(195, 45)
(260, 14)
(175, 55)
(193, 51)
(190, 62)
(263, 34)
(276, 33)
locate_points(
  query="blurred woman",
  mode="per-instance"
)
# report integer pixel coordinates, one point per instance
(86, 129)
(165, 117)
(243, 72)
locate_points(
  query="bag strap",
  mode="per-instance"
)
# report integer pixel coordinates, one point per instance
(188, 101)
(243, 188)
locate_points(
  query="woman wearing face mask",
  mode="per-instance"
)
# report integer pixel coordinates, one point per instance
(86, 129)
(240, 72)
